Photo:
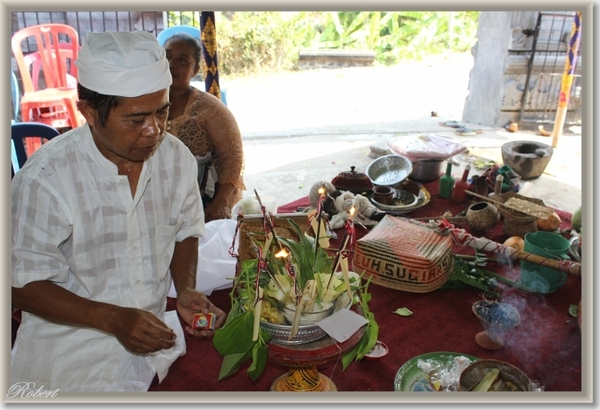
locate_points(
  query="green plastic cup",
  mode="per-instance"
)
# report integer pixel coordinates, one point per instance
(540, 278)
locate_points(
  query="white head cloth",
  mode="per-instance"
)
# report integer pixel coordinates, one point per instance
(125, 64)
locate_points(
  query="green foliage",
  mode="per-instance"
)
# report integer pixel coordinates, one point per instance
(369, 338)
(184, 18)
(238, 350)
(254, 42)
(265, 41)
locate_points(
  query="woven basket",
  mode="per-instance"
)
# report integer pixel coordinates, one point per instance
(252, 227)
(401, 255)
(516, 216)
(517, 223)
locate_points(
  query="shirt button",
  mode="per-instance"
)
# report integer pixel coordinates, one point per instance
(138, 281)
(134, 247)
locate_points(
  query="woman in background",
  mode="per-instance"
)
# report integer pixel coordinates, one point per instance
(207, 127)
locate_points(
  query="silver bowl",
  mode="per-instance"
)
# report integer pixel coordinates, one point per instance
(306, 333)
(281, 333)
(389, 170)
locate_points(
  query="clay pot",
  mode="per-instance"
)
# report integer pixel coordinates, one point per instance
(413, 187)
(383, 194)
(482, 216)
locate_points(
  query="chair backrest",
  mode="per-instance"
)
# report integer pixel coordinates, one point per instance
(15, 95)
(47, 39)
(164, 35)
(22, 130)
(33, 61)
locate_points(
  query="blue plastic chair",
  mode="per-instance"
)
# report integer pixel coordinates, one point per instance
(21, 130)
(164, 35)
(16, 96)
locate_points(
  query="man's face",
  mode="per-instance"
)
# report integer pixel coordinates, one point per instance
(134, 129)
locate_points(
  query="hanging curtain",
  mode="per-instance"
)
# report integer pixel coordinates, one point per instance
(208, 35)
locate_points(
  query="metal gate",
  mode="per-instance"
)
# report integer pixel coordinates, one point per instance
(545, 70)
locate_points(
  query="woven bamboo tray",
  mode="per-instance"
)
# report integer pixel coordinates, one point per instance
(517, 223)
(513, 215)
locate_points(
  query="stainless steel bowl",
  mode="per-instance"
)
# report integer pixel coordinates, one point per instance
(306, 333)
(390, 170)
(281, 333)
(426, 170)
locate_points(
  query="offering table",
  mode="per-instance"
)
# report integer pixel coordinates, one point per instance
(546, 345)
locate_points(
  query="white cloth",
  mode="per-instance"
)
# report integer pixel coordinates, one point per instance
(75, 222)
(216, 266)
(127, 64)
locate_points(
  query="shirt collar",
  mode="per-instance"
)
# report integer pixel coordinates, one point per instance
(86, 142)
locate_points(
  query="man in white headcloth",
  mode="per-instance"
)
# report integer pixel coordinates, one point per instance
(103, 217)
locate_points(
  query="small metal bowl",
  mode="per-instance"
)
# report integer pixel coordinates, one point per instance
(402, 200)
(390, 170)
(306, 333)
(405, 198)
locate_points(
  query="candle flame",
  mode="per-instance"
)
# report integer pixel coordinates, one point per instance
(321, 191)
(281, 254)
(352, 210)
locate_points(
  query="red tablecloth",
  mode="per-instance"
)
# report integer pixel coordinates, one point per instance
(546, 345)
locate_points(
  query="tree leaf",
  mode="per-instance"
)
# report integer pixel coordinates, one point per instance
(235, 336)
(260, 354)
(232, 362)
(351, 355)
(403, 312)
(573, 310)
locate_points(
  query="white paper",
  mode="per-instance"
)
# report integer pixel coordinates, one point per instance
(342, 324)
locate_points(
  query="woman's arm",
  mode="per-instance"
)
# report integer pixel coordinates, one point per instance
(226, 137)
(222, 203)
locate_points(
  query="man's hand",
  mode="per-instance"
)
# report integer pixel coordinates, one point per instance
(190, 301)
(140, 332)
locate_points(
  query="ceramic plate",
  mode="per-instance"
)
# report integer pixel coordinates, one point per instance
(411, 377)
(422, 200)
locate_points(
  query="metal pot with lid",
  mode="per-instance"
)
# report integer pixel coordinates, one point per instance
(353, 181)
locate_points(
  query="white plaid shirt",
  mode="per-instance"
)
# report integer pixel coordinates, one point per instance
(75, 223)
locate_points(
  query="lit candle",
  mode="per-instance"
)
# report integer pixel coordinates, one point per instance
(347, 249)
(290, 270)
(317, 222)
